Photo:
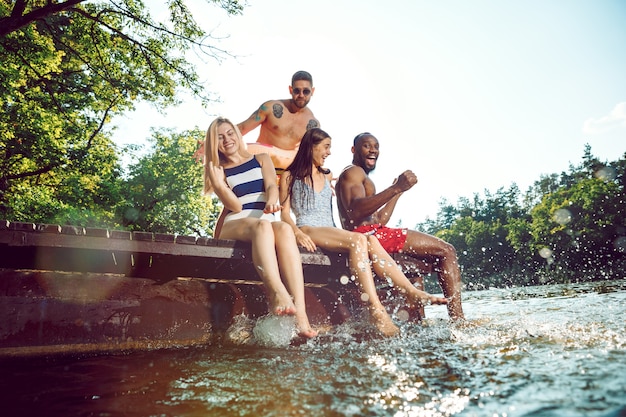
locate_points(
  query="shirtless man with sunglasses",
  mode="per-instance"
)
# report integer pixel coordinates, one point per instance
(283, 122)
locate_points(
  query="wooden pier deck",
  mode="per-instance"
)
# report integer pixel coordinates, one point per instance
(69, 289)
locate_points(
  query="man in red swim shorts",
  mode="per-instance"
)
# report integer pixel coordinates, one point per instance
(391, 239)
(363, 210)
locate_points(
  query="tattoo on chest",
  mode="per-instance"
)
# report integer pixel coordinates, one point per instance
(312, 123)
(277, 109)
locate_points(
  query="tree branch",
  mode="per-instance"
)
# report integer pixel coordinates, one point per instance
(33, 173)
(18, 20)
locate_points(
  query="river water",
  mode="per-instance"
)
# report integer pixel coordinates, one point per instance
(557, 350)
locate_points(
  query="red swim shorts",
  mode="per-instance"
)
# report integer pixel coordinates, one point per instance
(392, 240)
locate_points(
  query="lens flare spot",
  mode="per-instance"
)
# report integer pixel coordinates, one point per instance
(545, 253)
(562, 216)
(620, 244)
(402, 315)
(606, 174)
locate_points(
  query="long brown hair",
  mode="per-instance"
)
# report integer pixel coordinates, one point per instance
(302, 166)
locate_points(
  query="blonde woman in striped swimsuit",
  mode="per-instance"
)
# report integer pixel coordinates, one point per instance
(246, 185)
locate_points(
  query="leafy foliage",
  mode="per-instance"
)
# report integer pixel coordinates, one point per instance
(566, 227)
(67, 68)
(163, 190)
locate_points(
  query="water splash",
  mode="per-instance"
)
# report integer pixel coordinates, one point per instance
(275, 331)
(556, 350)
(268, 331)
(240, 331)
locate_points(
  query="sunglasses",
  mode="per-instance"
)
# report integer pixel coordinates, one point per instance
(296, 91)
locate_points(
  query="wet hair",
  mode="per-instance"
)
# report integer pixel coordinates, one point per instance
(301, 75)
(359, 136)
(212, 153)
(301, 168)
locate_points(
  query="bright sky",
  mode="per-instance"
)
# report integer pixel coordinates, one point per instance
(470, 95)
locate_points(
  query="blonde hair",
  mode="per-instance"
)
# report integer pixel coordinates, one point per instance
(211, 152)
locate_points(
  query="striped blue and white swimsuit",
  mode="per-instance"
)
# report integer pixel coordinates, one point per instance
(246, 181)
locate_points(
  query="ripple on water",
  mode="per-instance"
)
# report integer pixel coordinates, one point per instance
(519, 353)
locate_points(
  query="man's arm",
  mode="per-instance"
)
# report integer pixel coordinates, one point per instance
(359, 206)
(256, 119)
(383, 215)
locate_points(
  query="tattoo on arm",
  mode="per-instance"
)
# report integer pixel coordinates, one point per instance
(312, 123)
(277, 110)
(257, 114)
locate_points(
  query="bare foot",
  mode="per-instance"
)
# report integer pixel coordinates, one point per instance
(455, 310)
(282, 305)
(383, 322)
(304, 327)
(308, 334)
(284, 310)
(437, 300)
(424, 298)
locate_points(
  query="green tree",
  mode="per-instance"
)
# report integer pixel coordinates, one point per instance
(567, 226)
(577, 227)
(481, 232)
(445, 218)
(84, 192)
(484, 253)
(163, 190)
(67, 68)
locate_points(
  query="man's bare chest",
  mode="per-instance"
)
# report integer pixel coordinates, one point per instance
(291, 126)
(368, 185)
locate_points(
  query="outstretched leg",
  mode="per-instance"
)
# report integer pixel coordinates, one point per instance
(339, 240)
(422, 245)
(384, 266)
